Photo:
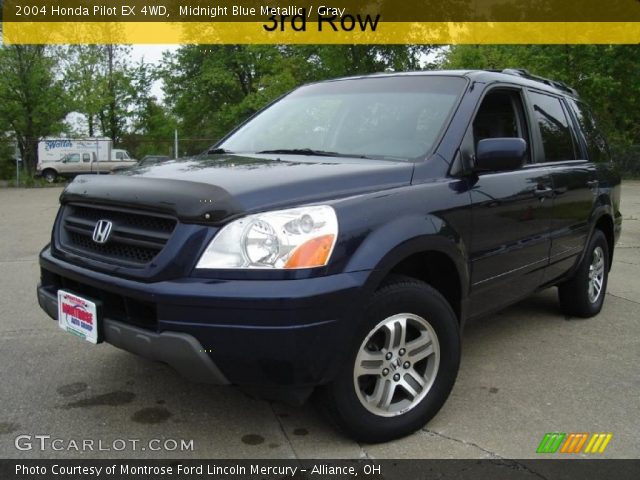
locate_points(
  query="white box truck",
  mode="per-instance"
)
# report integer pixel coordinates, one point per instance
(68, 157)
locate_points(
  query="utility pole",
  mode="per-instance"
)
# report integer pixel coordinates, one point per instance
(175, 143)
(97, 157)
(18, 161)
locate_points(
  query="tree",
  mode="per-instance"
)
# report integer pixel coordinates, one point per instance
(32, 99)
(152, 127)
(100, 81)
(321, 62)
(118, 92)
(85, 82)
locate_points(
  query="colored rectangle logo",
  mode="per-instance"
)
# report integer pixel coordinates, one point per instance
(574, 443)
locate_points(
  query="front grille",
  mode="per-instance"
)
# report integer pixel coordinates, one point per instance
(136, 237)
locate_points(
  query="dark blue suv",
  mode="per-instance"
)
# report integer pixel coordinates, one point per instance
(341, 238)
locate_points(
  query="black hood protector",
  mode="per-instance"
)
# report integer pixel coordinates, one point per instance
(212, 190)
(191, 202)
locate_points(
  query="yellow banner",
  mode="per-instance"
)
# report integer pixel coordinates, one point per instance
(381, 33)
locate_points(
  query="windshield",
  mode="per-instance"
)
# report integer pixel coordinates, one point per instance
(387, 118)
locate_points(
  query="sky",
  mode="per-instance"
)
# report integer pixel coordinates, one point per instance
(152, 54)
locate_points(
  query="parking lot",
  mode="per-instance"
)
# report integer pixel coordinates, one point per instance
(525, 371)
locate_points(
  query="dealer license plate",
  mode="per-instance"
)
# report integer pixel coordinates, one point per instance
(78, 316)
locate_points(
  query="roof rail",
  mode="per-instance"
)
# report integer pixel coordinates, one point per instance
(521, 72)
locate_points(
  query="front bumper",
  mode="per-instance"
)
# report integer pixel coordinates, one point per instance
(245, 332)
(179, 350)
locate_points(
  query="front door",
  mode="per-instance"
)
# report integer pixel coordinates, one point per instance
(70, 164)
(509, 249)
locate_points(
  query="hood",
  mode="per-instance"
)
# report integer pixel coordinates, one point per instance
(214, 189)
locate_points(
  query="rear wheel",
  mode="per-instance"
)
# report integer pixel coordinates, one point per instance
(50, 175)
(583, 295)
(402, 365)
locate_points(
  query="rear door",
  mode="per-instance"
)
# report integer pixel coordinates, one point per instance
(573, 178)
(509, 249)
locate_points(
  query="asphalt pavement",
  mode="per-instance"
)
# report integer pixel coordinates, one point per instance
(525, 371)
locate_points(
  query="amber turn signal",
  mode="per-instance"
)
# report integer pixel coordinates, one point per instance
(312, 253)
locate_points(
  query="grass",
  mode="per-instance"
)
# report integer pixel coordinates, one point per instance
(33, 182)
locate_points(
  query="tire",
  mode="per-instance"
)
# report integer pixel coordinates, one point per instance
(580, 296)
(378, 364)
(50, 175)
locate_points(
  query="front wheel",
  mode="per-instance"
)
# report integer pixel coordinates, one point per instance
(402, 365)
(583, 295)
(50, 175)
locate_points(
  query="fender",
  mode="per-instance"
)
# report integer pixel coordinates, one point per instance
(602, 208)
(397, 240)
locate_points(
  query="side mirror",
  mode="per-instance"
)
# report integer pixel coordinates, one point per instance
(64, 160)
(500, 154)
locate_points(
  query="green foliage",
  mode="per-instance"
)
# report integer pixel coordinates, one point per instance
(7, 158)
(320, 62)
(627, 159)
(153, 131)
(32, 100)
(84, 82)
(100, 84)
(210, 88)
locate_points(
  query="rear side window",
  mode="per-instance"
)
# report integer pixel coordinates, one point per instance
(557, 139)
(597, 147)
(86, 158)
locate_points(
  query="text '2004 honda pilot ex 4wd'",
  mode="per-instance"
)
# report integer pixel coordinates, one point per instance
(341, 238)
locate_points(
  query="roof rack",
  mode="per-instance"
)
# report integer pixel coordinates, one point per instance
(521, 72)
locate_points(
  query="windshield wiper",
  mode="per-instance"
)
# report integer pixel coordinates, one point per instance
(309, 151)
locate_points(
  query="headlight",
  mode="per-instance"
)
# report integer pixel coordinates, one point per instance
(286, 239)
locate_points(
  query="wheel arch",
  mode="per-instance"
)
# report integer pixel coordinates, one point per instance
(50, 169)
(433, 260)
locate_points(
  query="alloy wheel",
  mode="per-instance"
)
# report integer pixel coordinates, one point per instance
(396, 365)
(596, 274)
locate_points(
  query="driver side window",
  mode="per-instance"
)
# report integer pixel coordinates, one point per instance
(501, 115)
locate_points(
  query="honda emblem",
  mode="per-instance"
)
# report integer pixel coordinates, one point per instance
(102, 231)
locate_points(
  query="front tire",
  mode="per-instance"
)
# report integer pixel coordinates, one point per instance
(402, 364)
(583, 295)
(50, 175)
